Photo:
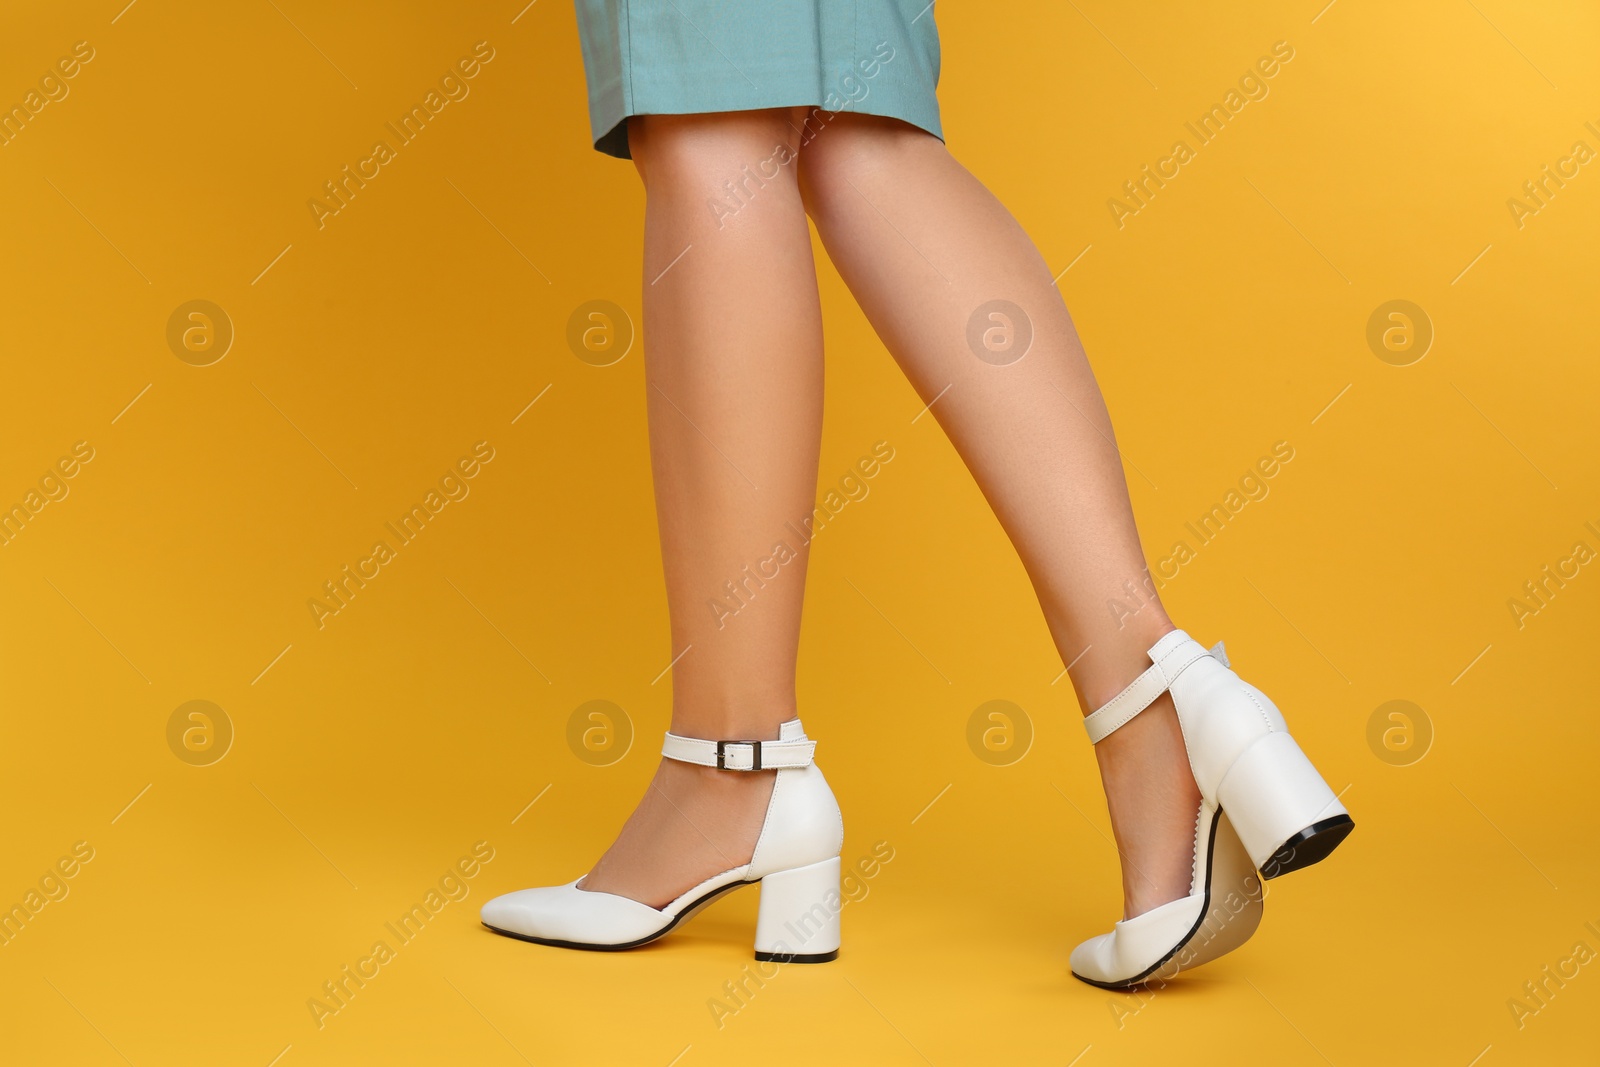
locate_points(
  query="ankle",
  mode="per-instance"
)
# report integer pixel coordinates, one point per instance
(731, 716)
(1115, 661)
(709, 780)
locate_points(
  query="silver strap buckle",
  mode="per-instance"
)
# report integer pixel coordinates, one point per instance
(722, 754)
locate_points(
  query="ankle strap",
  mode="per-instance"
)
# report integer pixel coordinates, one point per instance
(1169, 657)
(791, 749)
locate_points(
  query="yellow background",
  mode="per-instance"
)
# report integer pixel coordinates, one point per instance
(427, 714)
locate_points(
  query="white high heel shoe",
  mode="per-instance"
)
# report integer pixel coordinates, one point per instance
(796, 860)
(1280, 815)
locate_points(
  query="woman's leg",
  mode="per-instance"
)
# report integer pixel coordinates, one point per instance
(923, 245)
(733, 367)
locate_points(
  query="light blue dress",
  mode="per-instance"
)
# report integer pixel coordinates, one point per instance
(679, 57)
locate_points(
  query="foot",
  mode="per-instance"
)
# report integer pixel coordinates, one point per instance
(694, 822)
(1154, 802)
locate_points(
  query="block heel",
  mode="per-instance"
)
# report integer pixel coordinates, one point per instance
(798, 919)
(1281, 808)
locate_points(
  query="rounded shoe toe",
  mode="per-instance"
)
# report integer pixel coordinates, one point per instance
(1094, 958)
(530, 912)
(1135, 948)
(569, 915)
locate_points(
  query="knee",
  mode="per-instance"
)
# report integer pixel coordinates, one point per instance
(837, 155)
(715, 154)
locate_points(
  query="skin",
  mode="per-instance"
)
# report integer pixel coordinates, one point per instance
(734, 361)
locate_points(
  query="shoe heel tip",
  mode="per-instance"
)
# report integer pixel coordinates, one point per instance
(1309, 846)
(797, 957)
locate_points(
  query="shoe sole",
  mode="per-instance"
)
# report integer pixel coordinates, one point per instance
(1309, 846)
(684, 916)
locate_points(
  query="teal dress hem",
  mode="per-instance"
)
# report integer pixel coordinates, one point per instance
(684, 57)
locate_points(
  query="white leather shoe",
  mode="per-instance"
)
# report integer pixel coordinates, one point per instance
(796, 860)
(1262, 807)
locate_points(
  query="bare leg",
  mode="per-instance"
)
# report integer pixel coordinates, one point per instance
(733, 362)
(922, 245)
